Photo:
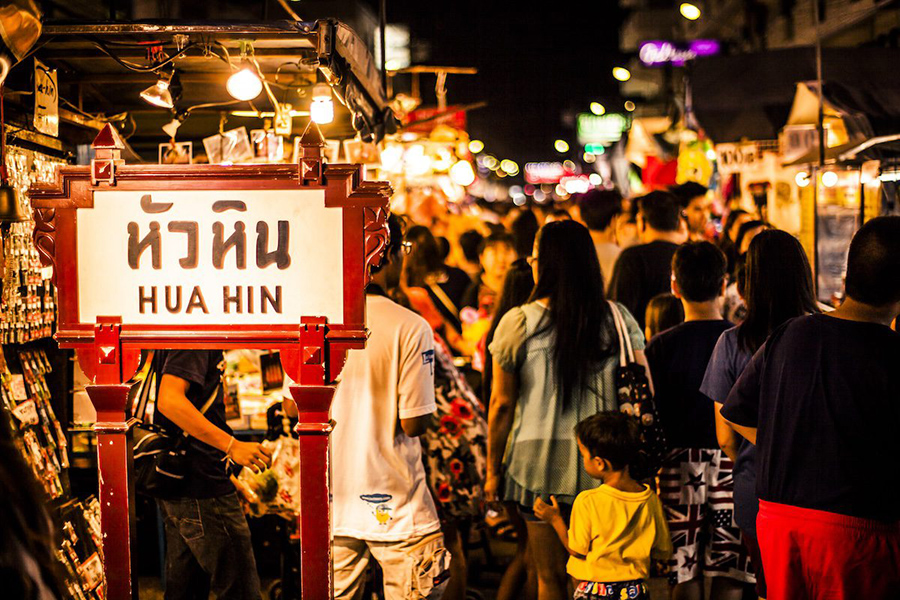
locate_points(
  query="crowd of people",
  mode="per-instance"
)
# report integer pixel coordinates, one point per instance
(498, 384)
(530, 310)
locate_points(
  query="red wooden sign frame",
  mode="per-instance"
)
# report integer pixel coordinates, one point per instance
(313, 351)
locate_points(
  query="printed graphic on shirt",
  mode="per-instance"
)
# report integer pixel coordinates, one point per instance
(428, 359)
(380, 510)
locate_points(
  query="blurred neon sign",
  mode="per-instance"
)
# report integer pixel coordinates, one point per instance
(660, 52)
(601, 129)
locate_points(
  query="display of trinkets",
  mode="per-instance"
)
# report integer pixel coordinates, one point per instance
(28, 299)
(27, 398)
(40, 437)
(80, 552)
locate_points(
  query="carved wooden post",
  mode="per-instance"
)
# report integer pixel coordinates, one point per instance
(115, 460)
(313, 399)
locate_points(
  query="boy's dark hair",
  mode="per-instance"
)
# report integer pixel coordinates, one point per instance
(395, 243)
(687, 192)
(599, 208)
(699, 269)
(495, 239)
(873, 263)
(470, 242)
(610, 435)
(661, 210)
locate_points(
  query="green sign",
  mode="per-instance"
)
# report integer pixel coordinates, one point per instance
(601, 129)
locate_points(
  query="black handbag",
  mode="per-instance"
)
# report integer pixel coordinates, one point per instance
(636, 399)
(160, 459)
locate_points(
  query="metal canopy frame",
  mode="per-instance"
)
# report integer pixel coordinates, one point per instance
(325, 49)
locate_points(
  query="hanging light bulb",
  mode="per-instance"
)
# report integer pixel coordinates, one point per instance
(321, 110)
(244, 84)
(158, 94)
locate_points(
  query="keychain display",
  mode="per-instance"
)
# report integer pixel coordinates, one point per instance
(28, 298)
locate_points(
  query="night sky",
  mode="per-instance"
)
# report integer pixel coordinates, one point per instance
(536, 62)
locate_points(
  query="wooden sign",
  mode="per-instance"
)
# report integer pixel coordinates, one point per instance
(268, 256)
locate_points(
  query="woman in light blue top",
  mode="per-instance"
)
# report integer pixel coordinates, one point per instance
(554, 362)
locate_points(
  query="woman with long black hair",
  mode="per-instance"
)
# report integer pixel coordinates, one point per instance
(554, 362)
(777, 286)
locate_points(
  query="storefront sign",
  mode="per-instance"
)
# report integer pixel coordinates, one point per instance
(734, 158)
(797, 141)
(46, 100)
(601, 129)
(217, 256)
(658, 52)
(210, 257)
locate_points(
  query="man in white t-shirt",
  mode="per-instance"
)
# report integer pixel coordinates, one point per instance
(383, 508)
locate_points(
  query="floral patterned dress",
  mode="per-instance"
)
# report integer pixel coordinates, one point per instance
(455, 445)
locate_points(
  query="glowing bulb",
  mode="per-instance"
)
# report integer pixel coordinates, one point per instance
(829, 179)
(588, 157)
(539, 195)
(321, 110)
(159, 94)
(621, 73)
(711, 154)
(476, 146)
(562, 146)
(595, 179)
(689, 11)
(509, 166)
(462, 173)
(491, 162)
(629, 106)
(801, 179)
(244, 85)
(597, 108)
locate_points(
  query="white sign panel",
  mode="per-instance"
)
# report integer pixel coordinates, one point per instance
(237, 257)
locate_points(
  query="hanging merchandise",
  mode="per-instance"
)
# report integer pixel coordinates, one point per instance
(27, 409)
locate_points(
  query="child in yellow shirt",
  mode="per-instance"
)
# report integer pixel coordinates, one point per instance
(615, 529)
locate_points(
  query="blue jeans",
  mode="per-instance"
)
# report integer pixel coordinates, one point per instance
(208, 549)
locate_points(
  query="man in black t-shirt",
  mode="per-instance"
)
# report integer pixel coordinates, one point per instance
(821, 400)
(207, 539)
(696, 479)
(643, 271)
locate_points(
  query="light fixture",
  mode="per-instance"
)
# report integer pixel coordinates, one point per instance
(244, 84)
(561, 146)
(621, 73)
(461, 173)
(171, 128)
(829, 179)
(159, 94)
(597, 108)
(629, 106)
(321, 110)
(689, 11)
(476, 146)
(801, 179)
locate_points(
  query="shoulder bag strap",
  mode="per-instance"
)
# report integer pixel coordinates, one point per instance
(626, 351)
(444, 298)
(146, 375)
